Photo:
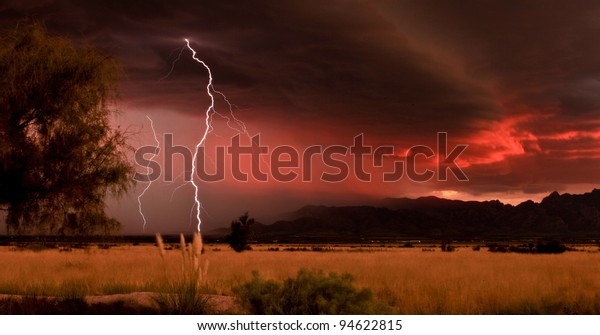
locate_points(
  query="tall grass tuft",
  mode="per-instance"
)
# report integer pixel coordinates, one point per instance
(185, 294)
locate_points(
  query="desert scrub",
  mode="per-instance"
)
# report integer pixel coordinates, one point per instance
(184, 292)
(310, 293)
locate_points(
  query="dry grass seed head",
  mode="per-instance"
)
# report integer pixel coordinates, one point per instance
(160, 244)
(182, 245)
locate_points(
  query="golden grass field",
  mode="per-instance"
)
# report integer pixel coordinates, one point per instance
(410, 280)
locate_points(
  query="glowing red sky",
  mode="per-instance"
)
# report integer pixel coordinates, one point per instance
(518, 82)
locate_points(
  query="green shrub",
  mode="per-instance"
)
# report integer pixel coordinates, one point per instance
(310, 293)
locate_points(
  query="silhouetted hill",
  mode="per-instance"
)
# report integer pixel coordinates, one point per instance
(557, 215)
(580, 212)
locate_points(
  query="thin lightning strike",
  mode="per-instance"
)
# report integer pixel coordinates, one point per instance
(210, 111)
(231, 120)
(147, 171)
(207, 122)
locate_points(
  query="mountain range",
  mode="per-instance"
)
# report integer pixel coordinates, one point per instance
(556, 216)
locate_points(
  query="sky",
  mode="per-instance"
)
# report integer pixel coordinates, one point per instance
(517, 82)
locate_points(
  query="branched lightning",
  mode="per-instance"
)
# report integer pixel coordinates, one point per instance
(148, 172)
(231, 120)
(207, 130)
(210, 111)
(174, 62)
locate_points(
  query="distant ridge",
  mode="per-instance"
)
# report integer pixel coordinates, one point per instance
(556, 216)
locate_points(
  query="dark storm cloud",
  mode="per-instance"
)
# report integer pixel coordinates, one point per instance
(338, 61)
(536, 52)
(511, 78)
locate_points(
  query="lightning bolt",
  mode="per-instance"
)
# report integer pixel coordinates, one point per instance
(148, 172)
(207, 130)
(231, 120)
(239, 126)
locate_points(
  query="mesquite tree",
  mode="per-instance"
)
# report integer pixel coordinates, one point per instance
(59, 155)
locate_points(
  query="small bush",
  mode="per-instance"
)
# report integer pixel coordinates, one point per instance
(296, 249)
(446, 247)
(322, 249)
(310, 293)
(550, 247)
(494, 247)
(522, 249)
(476, 248)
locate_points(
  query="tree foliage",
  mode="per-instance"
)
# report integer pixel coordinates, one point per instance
(240, 233)
(59, 155)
